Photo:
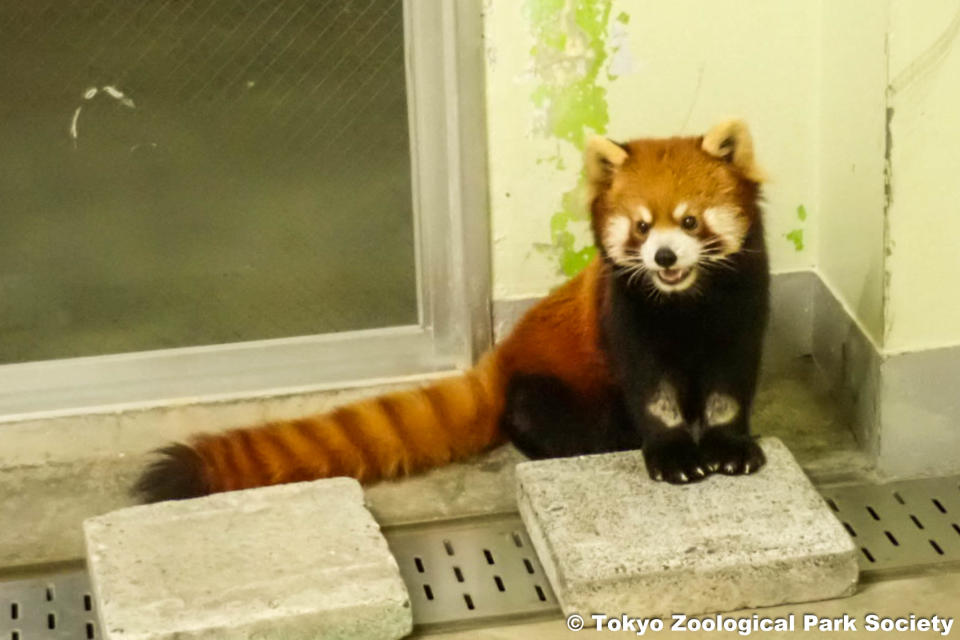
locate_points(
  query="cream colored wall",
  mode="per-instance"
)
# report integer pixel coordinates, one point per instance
(640, 68)
(814, 80)
(923, 308)
(853, 76)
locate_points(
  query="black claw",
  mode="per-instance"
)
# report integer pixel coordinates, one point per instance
(674, 458)
(731, 453)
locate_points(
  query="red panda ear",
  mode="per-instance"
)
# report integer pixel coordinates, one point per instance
(731, 141)
(601, 159)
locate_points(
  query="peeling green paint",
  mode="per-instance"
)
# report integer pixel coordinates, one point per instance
(569, 53)
(796, 237)
(802, 213)
(623, 17)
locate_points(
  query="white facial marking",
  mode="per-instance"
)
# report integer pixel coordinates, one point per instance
(644, 214)
(664, 407)
(683, 244)
(729, 225)
(720, 409)
(680, 211)
(615, 236)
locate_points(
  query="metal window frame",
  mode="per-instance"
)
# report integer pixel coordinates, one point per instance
(444, 67)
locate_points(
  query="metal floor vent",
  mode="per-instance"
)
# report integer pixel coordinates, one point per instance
(55, 607)
(471, 573)
(484, 571)
(901, 525)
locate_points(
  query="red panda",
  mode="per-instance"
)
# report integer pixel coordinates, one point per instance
(656, 344)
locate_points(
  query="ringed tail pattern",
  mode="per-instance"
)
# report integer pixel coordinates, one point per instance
(378, 438)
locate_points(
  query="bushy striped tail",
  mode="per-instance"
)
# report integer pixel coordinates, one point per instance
(384, 437)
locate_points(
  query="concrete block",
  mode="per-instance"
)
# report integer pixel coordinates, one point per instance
(288, 562)
(613, 541)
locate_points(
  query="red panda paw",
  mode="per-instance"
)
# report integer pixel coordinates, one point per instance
(730, 453)
(673, 457)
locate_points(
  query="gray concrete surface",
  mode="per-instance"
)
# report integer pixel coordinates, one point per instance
(49, 493)
(296, 561)
(611, 540)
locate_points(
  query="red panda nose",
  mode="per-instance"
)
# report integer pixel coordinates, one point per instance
(665, 257)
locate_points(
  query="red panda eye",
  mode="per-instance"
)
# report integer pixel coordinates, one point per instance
(689, 223)
(643, 227)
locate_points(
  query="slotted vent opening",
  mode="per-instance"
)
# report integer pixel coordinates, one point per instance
(903, 524)
(473, 572)
(44, 608)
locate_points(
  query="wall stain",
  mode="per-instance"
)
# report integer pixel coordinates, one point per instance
(796, 237)
(568, 55)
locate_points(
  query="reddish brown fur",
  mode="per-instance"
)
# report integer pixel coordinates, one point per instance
(388, 436)
(407, 432)
(659, 173)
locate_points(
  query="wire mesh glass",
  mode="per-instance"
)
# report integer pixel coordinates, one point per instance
(186, 172)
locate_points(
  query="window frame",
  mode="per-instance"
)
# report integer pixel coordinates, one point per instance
(444, 70)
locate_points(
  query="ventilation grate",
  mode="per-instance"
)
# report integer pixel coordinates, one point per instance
(901, 525)
(484, 571)
(59, 606)
(471, 573)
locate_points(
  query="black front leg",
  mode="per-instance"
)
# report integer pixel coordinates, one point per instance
(729, 448)
(653, 401)
(729, 384)
(669, 450)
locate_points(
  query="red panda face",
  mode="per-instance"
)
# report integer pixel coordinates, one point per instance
(666, 212)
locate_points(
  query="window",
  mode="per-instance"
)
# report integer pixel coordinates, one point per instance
(210, 199)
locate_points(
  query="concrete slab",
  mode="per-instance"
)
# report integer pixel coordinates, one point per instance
(612, 541)
(294, 561)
